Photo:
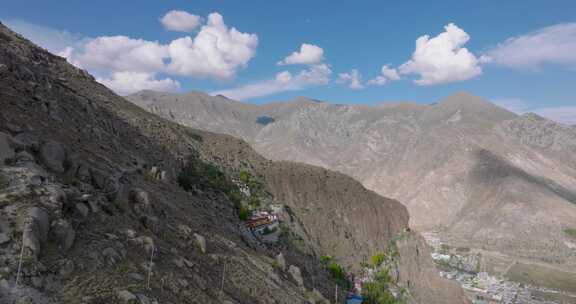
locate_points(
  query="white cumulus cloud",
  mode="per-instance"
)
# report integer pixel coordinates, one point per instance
(180, 21)
(442, 59)
(125, 83)
(551, 45)
(121, 53)
(386, 74)
(216, 52)
(124, 63)
(308, 54)
(315, 75)
(353, 79)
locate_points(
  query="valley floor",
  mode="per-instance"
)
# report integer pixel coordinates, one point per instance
(490, 277)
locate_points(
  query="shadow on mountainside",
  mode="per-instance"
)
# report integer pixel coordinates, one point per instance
(491, 168)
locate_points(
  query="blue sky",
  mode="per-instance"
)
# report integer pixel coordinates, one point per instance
(521, 54)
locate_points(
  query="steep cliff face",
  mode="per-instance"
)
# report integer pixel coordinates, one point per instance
(419, 273)
(88, 195)
(341, 218)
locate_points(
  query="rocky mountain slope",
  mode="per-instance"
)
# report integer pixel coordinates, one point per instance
(91, 210)
(479, 175)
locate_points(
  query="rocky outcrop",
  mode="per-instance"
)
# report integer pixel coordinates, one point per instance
(296, 275)
(35, 231)
(281, 261)
(53, 156)
(200, 242)
(6, 148)
(127, 297)
(63, 234)
(339, 217)
(418, 273)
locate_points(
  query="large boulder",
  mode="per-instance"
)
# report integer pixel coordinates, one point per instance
(111, 255)
(4, 238)
(53, 155)
(55, 198)
(201, 242)
(152, 223)
(24, 158)
(127, 297)
(146, 242)
(35, 232)
(106, 182)
(27, 141)
(81, 212)
(296, 275)
(281, 261)
(6, 148)
(63, 233)
(140, 201)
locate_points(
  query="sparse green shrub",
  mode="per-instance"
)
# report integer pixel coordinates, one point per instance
(444, 249)
(204, 176)
(336, 271)
(275, 264)
(478, 266)
(254, 202)
(377, 259)
(378, 291)
(571, 232)
(254, 186)
(243, 213)
(236, 197)
(325, 259)
(244, 177)
(338, 274)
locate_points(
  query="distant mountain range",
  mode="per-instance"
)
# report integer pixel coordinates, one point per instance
(477, 174)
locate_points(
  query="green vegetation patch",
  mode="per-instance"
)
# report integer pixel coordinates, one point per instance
(337, 272)
(378, 259)
(205, 176)
(378, 291)
(243, 213)
(244, 177)
(571, 232)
